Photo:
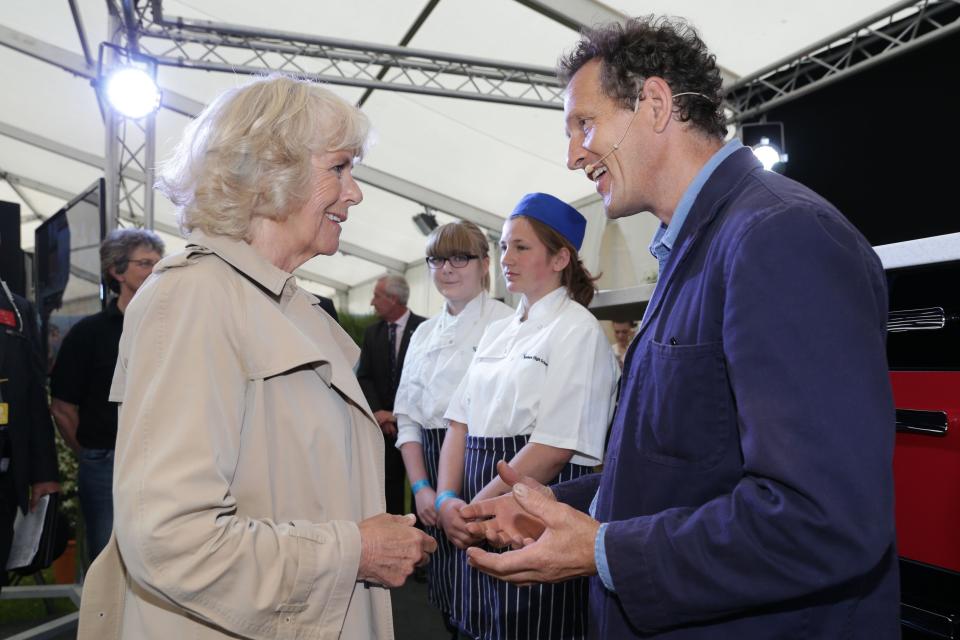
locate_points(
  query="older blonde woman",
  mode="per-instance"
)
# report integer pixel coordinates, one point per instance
(248, 465)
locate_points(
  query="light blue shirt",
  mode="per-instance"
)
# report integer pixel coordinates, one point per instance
(666, 235)
(660, 248)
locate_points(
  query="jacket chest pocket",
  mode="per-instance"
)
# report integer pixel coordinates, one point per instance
(683, 404)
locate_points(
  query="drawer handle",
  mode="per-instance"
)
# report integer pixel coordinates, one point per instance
(930, 423)
(927, 319)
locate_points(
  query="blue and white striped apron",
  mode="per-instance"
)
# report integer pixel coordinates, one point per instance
(443, 569)
(487, 608)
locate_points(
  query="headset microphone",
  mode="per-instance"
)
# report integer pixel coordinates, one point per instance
(636, 107)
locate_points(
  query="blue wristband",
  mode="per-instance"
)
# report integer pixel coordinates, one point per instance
(419, 484)
(442, 497)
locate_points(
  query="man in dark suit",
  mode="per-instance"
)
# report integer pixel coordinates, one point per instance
(381, 361)
(28, 457)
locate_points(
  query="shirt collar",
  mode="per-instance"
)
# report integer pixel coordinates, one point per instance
(244, 258)
(546, 307)
(401, 322)
(472, 310)
(666, 235)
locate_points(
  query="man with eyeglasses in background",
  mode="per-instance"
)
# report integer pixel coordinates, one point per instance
(83, 372)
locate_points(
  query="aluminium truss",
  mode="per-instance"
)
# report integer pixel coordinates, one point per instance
(200, 44)
(130, 144)
(894, 31)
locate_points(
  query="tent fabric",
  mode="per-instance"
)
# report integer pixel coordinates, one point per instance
(484, 154)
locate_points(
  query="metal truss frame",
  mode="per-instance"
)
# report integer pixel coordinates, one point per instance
(130, 144)
(133, 172)
(891, 32)
(201, 44)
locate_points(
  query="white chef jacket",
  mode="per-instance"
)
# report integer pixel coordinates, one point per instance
(552, 376)
(439, 354)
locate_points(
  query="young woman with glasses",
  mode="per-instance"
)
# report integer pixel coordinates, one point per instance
(539, 395)
(440, 352)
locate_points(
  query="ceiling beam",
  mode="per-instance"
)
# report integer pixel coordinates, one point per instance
(583, 14)
(35, 185)
(231, 48)
(355, 250)
(428, 197)
(60, 149)
(895, 30)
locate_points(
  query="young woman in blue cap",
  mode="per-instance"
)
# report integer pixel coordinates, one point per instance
(539, 394)
(440, 352)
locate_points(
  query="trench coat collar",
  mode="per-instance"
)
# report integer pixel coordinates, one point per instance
(705, 208)
(338, 370)
(242, 257)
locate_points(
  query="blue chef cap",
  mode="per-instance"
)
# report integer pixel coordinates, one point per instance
(555, 213)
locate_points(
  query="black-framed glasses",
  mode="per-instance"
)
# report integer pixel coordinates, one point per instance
(146, 263)
(458, 261)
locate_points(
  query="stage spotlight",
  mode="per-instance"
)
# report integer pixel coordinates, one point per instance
(767, 142)
(132, 92)
(766, 153)
(425, 221)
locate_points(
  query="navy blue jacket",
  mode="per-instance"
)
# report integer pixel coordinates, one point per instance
(748, 481)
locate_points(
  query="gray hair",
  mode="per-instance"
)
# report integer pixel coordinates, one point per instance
(249, 153)
(397, 287)
(119, 245)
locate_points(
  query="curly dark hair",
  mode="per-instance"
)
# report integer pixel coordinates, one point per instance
(666, 47)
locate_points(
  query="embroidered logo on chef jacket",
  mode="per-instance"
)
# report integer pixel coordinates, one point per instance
(527, 356)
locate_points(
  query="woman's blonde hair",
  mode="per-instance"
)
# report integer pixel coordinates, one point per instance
(249, 153)
(461, 237)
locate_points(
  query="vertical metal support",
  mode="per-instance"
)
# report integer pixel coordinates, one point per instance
(111, 125)
(149, 169)
(130, 144)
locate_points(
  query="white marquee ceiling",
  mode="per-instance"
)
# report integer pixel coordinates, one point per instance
(483, 154)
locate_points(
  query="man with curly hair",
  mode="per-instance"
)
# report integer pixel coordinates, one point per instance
(747, 491)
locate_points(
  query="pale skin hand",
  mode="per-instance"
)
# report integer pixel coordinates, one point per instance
(502, 521)
(564, 550)
(425, 510)
(454, 525)
(412, 453)
(387, 422)
(390, 548)
(450, 477)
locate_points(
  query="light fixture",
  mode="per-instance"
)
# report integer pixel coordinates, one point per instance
(128, 84)
(767, 142)
(425, 221)
(132, 92)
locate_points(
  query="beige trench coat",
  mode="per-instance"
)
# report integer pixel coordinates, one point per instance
(246, 455)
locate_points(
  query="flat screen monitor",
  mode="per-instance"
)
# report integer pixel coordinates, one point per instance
(67, 265)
